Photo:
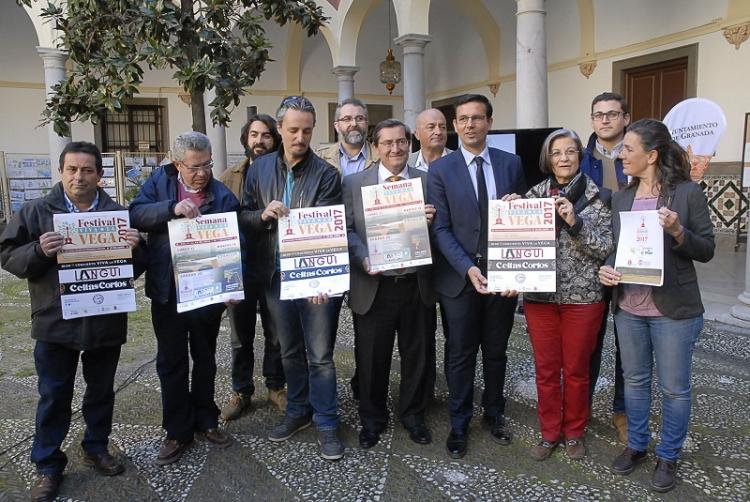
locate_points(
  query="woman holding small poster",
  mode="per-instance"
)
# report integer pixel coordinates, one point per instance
(659, 323)
(563, 326)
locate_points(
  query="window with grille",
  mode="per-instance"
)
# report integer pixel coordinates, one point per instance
(136, 128)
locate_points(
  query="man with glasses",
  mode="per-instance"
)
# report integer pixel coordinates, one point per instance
(460, 185)
(609, 119)
(258, 137)
(396, 301)
(184, 188)
(353, 152)
(294, 177)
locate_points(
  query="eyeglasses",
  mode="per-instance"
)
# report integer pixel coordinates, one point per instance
(347, 120)
(611, 115)
(401, 142)
(204, 167)
(465, 119)
(569, 153)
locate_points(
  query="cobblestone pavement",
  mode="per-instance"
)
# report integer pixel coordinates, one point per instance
(715, 463)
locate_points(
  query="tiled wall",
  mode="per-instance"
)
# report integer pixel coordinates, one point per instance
(724, 192)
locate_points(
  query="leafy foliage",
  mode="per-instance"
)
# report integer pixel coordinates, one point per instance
(210, 44)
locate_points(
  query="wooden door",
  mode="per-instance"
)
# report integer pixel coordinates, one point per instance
(652, 90)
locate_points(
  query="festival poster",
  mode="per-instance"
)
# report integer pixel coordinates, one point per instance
(522, 249)
(640, 248)
(95, 265)
(396, 226)
(206, 260)
(314, 253)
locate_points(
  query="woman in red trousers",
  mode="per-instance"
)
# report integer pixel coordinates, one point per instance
(563, 325)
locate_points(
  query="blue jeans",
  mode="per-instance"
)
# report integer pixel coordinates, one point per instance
(307, 334)
(670, 342)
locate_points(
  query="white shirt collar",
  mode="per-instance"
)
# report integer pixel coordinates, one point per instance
(384, 174)
(421, 164)
(469, 157)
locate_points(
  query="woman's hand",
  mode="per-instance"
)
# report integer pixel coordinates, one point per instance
(609, 276)
(670, 222)
(565, 210)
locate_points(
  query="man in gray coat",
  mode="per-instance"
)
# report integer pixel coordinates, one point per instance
(383, 304)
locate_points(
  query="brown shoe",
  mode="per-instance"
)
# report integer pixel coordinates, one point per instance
(171, 451)
(278, 397)
(237, 404)
(215, 436)
(103, 463)
(46, 487)
(575, 448)
(620, 421)
(543, 450)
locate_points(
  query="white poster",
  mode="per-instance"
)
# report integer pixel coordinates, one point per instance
(95, 266)
(314, 252)
(640, 248)
(206, 260)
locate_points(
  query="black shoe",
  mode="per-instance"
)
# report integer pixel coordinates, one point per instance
(368, 438)
(665, 475)
(457, 443)
(46, 487)
(625, 462)
(420, 434)
(103, 463)
(498, 429)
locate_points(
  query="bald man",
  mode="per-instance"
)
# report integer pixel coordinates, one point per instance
(432, 133)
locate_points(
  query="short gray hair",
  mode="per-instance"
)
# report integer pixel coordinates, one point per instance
(299, 103)
(545, 157)
(191, 140)
(349, 101)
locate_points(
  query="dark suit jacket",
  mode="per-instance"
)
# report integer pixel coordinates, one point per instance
(679, 297)
(455, 230)
(364, 286)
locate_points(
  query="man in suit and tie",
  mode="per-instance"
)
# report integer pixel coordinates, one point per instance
(460, 186)
(383, 304)
(432, 132)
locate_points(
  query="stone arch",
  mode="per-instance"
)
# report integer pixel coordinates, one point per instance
(488, 31)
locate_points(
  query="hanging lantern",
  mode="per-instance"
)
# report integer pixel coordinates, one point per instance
(390, 71)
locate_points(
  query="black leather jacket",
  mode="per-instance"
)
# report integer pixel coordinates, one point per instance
(316, 184)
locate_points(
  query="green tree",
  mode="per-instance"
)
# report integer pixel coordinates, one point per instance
(210, 44)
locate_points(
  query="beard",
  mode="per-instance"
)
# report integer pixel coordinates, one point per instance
(256, 151)
(354, 137)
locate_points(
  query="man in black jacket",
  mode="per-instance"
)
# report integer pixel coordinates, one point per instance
(294, 177)
(28, 249)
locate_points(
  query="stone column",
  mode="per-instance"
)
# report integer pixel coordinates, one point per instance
(531, 65)
(739, 314)
(413, 75)
(345, 80)
(54, 72)
(218, 136)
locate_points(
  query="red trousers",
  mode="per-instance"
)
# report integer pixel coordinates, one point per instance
(563, 338)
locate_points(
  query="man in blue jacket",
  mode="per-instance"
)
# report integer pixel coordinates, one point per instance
(183, 189)
(28, 248)
(460, 185)
(609, 118)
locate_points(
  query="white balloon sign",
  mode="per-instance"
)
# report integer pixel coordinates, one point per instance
(697, 124)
